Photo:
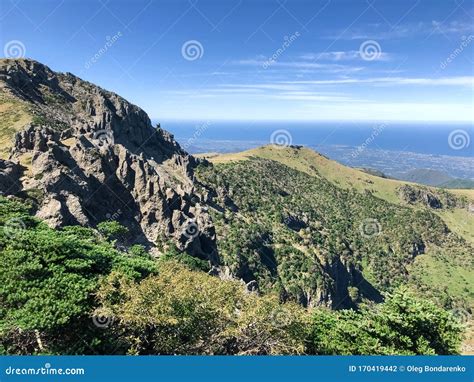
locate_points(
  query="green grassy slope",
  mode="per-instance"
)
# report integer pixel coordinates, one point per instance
(14, 115)
(459, 220)
(309, 224)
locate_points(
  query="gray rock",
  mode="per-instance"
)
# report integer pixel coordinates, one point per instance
(94, 154)
(429, 198)
(10, 174)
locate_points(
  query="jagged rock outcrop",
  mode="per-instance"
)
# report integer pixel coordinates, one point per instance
(10, 174)
(414, 195)
(428, 198)
(93, 156)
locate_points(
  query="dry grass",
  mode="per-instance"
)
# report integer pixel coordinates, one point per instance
(13, 117)
(68, 142)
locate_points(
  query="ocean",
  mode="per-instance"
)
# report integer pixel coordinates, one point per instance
(391, 147)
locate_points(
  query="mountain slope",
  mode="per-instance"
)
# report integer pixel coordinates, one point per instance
(426, 176)
(286, 220)
(436, 178)
(84, 155)
(331, 233)
(72, 291)
(459, 218)
(458, 183)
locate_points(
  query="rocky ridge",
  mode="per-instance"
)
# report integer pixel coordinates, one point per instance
(86, 156)
(89, 155)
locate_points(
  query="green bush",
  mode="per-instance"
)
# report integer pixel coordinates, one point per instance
(404, 324)
(47, 283)
(70, 291)
(187, 312)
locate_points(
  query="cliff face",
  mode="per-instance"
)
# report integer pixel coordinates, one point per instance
(276, 218)
(88, 155)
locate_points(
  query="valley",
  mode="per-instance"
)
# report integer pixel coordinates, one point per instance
(276, 241)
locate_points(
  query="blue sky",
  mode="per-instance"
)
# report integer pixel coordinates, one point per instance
(260, 60)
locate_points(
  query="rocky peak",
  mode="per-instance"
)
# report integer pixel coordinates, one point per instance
(92, 155)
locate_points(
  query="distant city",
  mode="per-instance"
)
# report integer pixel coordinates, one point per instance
(393, 163)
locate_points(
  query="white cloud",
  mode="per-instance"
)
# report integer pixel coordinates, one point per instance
(314, 110)
(341, 56)
(313, 96)
(325, 67)
(396, 111)
(444, 81)
(286, 92)
(267, 86)
(310, 100)
(380, 31)
(302, 85)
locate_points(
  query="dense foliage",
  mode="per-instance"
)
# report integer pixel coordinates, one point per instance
(47, 283)
(188, 312)
(318, 243)
(402, 325)
(72, 291)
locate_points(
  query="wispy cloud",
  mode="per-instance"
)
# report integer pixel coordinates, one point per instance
(380, 31)
(341, 56)
(444, 81)
(386, 111)
(222, 91)
(305, 88)
(287, 92)
(311, 97)
(324, 67)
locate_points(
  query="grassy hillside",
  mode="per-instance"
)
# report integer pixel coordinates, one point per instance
(269, 186)
(14, 115)
(313, 163)
(459, 183)
(75, 291)
(459, 220)
(267, 197)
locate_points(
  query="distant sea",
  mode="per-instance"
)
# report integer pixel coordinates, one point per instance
(387, 146)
